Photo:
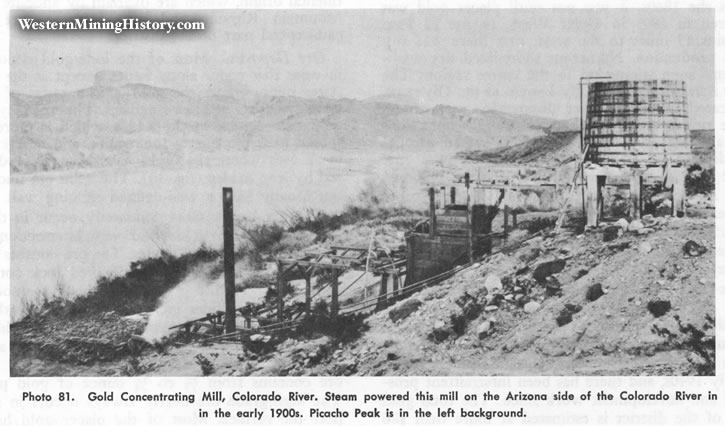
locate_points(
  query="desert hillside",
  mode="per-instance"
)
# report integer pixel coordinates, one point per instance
(111, 125)
(561, 146)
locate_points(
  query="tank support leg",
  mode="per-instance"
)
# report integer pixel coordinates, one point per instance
(678, 190)
(635, 193)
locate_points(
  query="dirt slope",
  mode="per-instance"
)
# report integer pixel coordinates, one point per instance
(503, 316)
(611, 335)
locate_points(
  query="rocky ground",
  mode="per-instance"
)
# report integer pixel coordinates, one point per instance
(587, 304)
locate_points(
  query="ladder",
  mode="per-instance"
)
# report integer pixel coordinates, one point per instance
(562, 212)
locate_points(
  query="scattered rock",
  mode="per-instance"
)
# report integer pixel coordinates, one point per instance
(260, 338)
(644, 248)
(611, 233)
(581, 272)
(392, 356)
(484, 329)
(493, 283)
(573, 308)
(645, 231)
(553, 286)
(404, 310)
(622, 224)
(440, 334)
(635, 225)
(564, 317)
(491, 308)
(544, 269)
(693, 249)
(594, 292)
(566, 314)
(619, 246)
(439, 324)
(532, 307)
(528, 254)
(659, 307)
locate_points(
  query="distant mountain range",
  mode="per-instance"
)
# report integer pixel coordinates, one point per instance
(107, 125)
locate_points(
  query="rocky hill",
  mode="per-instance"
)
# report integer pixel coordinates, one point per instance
(560, 146)
(110, 125)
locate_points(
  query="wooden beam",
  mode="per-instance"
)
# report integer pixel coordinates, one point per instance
(635, 193)
(308, 298)
(432, 212)
(334, 303)
(467, 179)
(591, 198)
(678, 190)
(280, 297)
(505, 221)
(383, 293)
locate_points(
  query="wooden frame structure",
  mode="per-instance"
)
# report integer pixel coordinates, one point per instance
(671, 176)
(334, 262)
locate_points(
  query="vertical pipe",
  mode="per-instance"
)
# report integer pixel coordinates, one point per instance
(308, 290)
(228, 219)
(453, 195)
(432, 212)
(280, 292)
(335, 307)
(383, 293)
(581, 142)
(467, 179)
(505, 222)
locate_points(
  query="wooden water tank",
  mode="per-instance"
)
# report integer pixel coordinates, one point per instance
(638, 122)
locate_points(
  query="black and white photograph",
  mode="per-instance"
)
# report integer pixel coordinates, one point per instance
(362, 192)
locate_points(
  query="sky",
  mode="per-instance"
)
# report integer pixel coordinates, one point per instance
(517, 60)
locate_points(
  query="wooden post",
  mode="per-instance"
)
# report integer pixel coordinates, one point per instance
(229, 290)
(467, 179)
(308, 290)
(280, 291)
(601, 181)
(514, 219)
(453, 195)
(592, 198)
(635, 193)
(395, 287)
(443, 196)
(505, 222)
(383, 293)
(678, 190)
(432, 213)
(334, 304)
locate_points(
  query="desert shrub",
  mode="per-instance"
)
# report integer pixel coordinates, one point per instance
(134, 367)
(699, 180)
(257, 281)
(343, 328)
(293, 241)
(619, 206)
(694, 340)
(207, 368)
(539, 223)
(140, 288)
(258, 239)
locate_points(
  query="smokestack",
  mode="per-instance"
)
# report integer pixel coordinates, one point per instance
(228, 207)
